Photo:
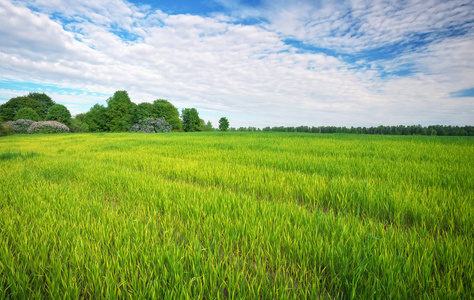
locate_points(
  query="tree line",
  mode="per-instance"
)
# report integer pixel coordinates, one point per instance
(119, 115)
(443, 130)
(35, 107)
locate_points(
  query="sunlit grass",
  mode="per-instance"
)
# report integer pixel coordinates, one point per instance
(236, 215)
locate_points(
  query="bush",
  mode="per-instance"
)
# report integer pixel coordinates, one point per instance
(27, 113)
(6, 129)
(47, 127)
(20, 125)
(59, 113)
(150, 125)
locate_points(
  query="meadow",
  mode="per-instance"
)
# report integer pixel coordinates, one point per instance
(236, 215)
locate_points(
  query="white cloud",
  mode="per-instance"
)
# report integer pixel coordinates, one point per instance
(246, 71)
(359, 25)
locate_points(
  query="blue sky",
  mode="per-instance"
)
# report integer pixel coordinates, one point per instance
(258, 62)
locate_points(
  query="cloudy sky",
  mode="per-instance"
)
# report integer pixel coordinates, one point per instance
(258, 62)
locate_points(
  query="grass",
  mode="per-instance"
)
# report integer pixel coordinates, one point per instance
(236, 215)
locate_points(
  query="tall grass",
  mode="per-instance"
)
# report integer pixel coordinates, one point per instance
(236, 215)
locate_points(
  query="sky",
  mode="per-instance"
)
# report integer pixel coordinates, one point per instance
(257, 62)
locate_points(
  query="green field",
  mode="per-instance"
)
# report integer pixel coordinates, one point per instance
(236, 215)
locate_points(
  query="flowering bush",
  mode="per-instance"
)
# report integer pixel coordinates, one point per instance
(151, 125)
(47, 127)
(20, 125)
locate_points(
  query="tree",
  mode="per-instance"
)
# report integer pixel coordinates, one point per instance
(97, 118)
(10, 109)
(202, 124)
(27, 113)
(45, 101)
(164, 109)
(141, 112)
(78, 124)
(208, 126)
(120, 109)
(191, 120)
(223, 124)
(60, 113)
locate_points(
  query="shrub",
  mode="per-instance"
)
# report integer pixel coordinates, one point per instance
(150, 125)
(47, 127)
(20, 125)
(27, 113)
(6, 129)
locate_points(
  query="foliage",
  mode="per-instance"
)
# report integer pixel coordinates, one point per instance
(243, 215)
(9, 109)
(191, 120)
(208, 126)
(20, 126)
(382, 130)
(164, 109)
(97, 118)
(59, 113)
(141, 112)
(202, 125)
(151, 125)
(6, 129)
(27, 113)
(119, 113)
(78, 124)
(47, 127)
(46, 103)
(223, 124)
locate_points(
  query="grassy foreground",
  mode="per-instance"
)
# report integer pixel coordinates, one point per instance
(236, 215)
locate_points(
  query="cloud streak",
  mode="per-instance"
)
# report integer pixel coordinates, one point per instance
(226, 66)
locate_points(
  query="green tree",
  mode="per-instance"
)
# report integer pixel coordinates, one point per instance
(120, 109)
(191, 120)
(60, 113)
(97, 118)
(141, 112)
(164, 109)
(12, 106)
(78, 124)
(45, 101)
(202, 124)
(223, 124)
(208, 126)
(27, 113)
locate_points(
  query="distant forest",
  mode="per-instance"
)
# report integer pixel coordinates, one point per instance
(121, 114)
(388, 130)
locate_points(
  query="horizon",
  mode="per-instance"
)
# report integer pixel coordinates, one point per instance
(258, 63)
